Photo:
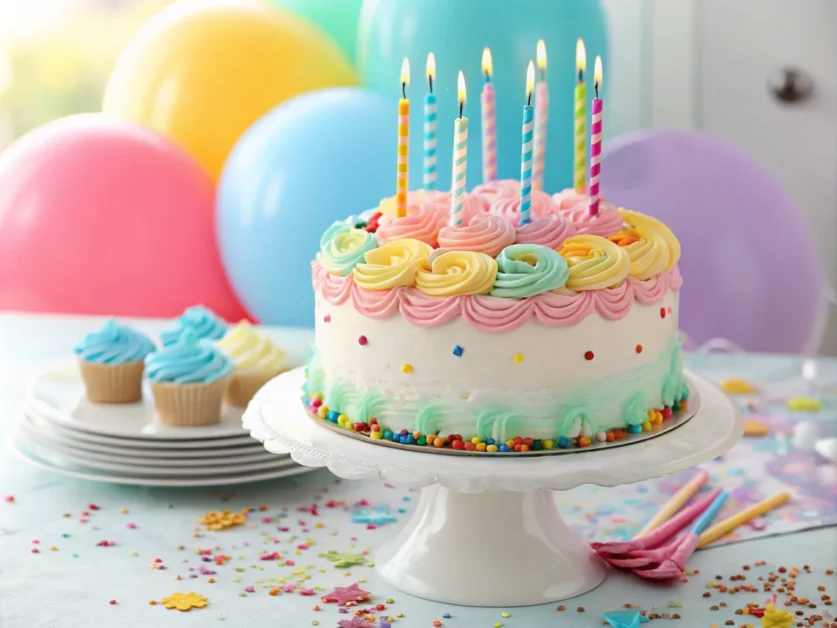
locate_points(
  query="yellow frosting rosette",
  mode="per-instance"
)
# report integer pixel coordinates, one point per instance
(649, 257)
(655, 232)
(594, 262)
(456, 273)
(392, 265)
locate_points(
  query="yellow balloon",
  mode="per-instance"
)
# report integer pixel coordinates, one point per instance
(203, 71)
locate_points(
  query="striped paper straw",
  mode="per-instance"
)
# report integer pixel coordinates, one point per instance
(403, 146)
(595, 156)
(460, 163)
(526, 165)
(541, 120)
(489, 134)
(580, 144)
(430, 142)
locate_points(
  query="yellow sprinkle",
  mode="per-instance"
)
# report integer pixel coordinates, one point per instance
(518, 358)
(406, 368)
(492, 448)
(399, 614)
(804, 404)
(320, 524)
(123, 511)
(736, 386)
(755, 428)
(390, 600)
(362, 580)
(505, 614)
(548, 444)
(497, 624)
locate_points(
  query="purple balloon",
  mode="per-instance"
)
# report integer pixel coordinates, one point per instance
(751, 270)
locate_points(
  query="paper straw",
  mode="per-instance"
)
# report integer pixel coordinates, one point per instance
(709, 514)
(728, 525)
(676, 502)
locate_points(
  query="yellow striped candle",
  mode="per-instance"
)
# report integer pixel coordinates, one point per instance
(580, 139)
(403, 143)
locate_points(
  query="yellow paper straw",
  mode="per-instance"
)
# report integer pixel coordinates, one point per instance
(728, 525)
(676, 502)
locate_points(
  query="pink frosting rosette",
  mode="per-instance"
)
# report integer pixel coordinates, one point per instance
(495, 190)
(510, 207)
(569, 198)
(549, 231)
(422, 222)
(606, 223)
(487, 234)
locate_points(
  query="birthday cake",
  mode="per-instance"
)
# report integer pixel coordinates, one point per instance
(493, 336)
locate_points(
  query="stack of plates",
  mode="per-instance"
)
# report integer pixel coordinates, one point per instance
(61, 431)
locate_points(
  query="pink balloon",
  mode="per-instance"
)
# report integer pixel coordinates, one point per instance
(102, 216)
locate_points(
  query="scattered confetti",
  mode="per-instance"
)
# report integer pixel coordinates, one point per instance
(185, 601)
(342, 560)
(343, 595)
(804, 404)
(222, 519)
(736, 386)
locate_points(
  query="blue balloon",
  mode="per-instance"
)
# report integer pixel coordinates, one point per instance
(314, 159)
(456, 31)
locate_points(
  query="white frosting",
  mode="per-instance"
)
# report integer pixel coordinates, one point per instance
(553, 372)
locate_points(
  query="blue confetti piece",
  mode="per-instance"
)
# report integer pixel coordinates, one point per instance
(380, 516)
(457, 351)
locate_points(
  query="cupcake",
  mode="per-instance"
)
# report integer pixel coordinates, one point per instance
(203, 321)
(111, 363)
(188, 378)
(256, 359)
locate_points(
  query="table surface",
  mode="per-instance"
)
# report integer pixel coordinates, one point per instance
(74, 584)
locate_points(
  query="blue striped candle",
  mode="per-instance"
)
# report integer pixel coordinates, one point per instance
(460, 159)
(430, 141)
(526, 152)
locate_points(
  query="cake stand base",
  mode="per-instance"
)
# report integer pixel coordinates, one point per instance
(456, 547)
(486, 531)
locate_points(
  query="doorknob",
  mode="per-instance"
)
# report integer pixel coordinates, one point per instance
(790, 85)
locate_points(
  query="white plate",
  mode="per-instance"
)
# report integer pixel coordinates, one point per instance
(105, 444)
(138, 457)
(88, 474)
(69, 458)
(58, 395)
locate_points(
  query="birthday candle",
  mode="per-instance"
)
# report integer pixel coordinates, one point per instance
(489, 127)
(541, 118)
(403, 142)
(596, 141)
(526, 151)
(580, 143)
(460, 157)
(430, 127)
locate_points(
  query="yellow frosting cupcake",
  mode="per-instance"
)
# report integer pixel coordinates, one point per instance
(256, 358)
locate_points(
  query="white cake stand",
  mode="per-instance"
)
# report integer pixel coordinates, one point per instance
(486, 531)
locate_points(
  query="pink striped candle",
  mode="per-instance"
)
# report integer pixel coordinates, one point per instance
(541, 118)
(402, 178)
(596, 141)
(489, 124)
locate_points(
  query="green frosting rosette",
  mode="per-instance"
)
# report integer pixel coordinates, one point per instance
(528, 269)
(342, 247)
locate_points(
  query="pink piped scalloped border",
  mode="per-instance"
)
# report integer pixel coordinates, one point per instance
(494, 314)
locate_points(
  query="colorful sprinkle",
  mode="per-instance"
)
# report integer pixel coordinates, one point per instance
(406, 368)
(588, 355)
(363, 341)
(457, 351)
(518, 358)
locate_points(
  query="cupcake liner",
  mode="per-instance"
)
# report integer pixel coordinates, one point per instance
(189, 405)
(243, 386)
(112, 383)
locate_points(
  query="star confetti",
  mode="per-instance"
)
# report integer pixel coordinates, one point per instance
(342, 560)
(379, 516)
(222, 519)
(776, 618)
(356, 621)
(185, 601)
(344, 595)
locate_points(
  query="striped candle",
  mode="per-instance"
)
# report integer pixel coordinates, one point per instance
(580, 139)
(489, 123)
(526, 151)
(402, 178)
(596, 142)
(430, 127)
(541, 118)
(460, 158)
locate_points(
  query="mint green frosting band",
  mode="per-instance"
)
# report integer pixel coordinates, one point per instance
(529, 269)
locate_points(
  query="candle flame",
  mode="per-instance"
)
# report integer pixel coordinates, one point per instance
(541, 55)
(460, 89)
(580, 56)
(487, 65)
(431, 66)
(405, 72)
(597, 73)
(530, 81)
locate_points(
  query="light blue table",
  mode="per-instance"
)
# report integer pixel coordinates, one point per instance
(54, 589)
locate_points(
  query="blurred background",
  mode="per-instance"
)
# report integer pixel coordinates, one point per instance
(759, 75)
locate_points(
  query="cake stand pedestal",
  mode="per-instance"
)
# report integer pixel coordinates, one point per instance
(486, 531)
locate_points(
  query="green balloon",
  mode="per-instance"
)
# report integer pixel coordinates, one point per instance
(339, 18)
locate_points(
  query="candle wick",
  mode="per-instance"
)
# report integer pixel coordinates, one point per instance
(430, 80)
(461, 107)
(596, 87)
(580, 75)
(529, 100)
(487, 77)
(404, 90)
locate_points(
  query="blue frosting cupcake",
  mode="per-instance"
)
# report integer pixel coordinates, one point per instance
(203, 321)
(111, 362)
(189, 378)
